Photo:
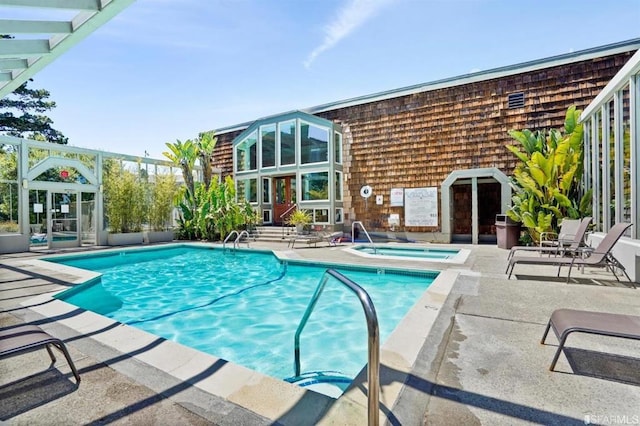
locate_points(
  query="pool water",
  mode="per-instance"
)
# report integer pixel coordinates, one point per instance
(409, 252)
(245, 306)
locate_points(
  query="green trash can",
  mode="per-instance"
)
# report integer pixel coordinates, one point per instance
(507, 231)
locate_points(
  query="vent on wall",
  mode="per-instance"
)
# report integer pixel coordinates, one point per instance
(515, 100)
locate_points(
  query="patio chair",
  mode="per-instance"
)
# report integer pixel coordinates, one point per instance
(562, 244)
(566, 321)
(27, 338)
(566, 233)
(599, 256)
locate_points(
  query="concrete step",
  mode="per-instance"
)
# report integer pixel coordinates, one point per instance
(273, 233)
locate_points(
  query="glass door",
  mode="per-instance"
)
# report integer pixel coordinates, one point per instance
(285, 198)
(88, 233)
(63, 212)
(38, 228)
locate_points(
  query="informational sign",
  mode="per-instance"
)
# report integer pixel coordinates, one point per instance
(379, 199)
(394, 219)
(421, 206)
(397, 197)
(64, 208)
(366, 191)
(38, 208)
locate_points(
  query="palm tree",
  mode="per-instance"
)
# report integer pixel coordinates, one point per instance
(183, 155)
(205, 144)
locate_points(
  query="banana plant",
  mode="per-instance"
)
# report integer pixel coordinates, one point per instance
(547, 180)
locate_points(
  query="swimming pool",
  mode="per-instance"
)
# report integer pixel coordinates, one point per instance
(244, 307)
(411, 252)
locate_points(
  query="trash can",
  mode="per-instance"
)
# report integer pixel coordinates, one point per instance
(507, 231)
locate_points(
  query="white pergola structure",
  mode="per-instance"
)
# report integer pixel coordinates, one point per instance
(43, 30)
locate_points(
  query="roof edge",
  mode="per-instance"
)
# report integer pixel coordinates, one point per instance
(528, 66)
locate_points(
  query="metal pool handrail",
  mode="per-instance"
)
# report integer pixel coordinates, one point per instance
(373, 365)
(353, 240)
(237, 241)
(224, 243)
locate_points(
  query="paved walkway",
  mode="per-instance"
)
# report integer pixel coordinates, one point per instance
(481, 364)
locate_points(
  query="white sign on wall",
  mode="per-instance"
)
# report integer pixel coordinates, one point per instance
(379, 200)
(397, 197)
(421, 206)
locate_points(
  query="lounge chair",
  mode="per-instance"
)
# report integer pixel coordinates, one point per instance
(598, 257)
(566, 233)
(562, 244)
(315, 239)
(567, 321)
(28, 338)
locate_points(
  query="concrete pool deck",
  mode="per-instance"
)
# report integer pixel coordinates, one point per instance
(480, 363)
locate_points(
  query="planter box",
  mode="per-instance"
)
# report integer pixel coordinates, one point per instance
(127, 239)
(158, 236)
(14, 243)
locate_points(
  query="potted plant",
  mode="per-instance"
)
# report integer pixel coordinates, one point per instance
(161, 195)
(125, 205)
(299, 219)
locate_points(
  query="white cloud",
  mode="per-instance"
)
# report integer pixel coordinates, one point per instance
(352, 15)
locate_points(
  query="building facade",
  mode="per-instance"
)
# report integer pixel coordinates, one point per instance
(449, 136)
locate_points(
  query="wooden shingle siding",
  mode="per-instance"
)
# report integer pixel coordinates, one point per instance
(417, 140)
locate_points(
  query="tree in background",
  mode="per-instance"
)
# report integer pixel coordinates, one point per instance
(548, 179)
(21, 114)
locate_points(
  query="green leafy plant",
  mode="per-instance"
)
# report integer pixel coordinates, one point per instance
(162, 193)
(125, 199)
(299, 217)
(548, 178)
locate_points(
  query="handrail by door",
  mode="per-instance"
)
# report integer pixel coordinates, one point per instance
(283, 215)
(353, 240)
(373, 365)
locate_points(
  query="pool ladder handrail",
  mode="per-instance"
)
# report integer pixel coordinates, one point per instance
(236, 242)
(224, 243)
(353, 239)
(373, 365)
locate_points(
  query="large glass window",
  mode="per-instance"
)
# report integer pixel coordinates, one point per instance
(626, 155)
(247, 189)
(9, 189)
(287, 142)
(612, 166)
(246, 152)
(268, 139)
(338, 186)
(321, 215)
(314, 143)
(337, 144)
(266, 191)
(315, 186)
(8, 207)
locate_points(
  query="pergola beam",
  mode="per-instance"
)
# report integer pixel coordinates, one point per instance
(15, 26)
(23, 48)
(55, 4)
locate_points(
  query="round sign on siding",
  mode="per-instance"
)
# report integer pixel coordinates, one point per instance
(366, 191)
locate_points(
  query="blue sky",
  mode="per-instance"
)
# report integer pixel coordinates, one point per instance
(168, 69)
